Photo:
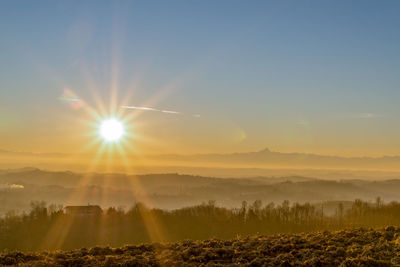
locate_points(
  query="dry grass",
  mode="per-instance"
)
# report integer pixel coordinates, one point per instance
(356, 247)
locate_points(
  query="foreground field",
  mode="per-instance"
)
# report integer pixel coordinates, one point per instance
(357, 247)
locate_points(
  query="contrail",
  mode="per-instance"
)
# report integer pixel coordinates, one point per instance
(170, 111)
(158, 110)
(140, 108)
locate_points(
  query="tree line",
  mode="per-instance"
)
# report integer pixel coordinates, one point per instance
(49, 227)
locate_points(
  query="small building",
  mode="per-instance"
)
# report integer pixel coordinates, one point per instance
(89, 210)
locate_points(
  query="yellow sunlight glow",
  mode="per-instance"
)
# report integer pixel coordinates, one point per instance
(111, 130)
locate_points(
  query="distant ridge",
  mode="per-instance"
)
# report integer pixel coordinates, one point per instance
(268, 158)
(264, 158)
(5, 152)
(265, 150)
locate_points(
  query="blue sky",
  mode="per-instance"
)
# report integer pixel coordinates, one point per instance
(314, 76)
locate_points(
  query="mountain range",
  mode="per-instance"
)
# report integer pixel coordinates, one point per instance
(261, 159)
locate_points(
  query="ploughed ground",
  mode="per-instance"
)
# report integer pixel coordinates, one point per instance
(353, 247)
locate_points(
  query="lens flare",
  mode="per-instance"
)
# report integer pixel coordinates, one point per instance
(111, 130)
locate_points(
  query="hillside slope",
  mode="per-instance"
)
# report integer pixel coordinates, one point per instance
(357, 247)
(171, 191)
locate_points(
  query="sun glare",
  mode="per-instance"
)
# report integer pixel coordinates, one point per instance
(111, 130)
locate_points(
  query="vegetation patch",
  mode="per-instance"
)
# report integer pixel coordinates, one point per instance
(356, 247)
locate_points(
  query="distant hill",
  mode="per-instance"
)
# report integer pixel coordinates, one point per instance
(169, 191)
(249, 164)
(270, 158)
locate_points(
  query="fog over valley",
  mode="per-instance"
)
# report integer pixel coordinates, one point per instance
(18, 187)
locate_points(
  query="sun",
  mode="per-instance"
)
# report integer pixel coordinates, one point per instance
(111, 130)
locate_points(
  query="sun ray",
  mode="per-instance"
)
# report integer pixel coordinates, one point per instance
(112, 134)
